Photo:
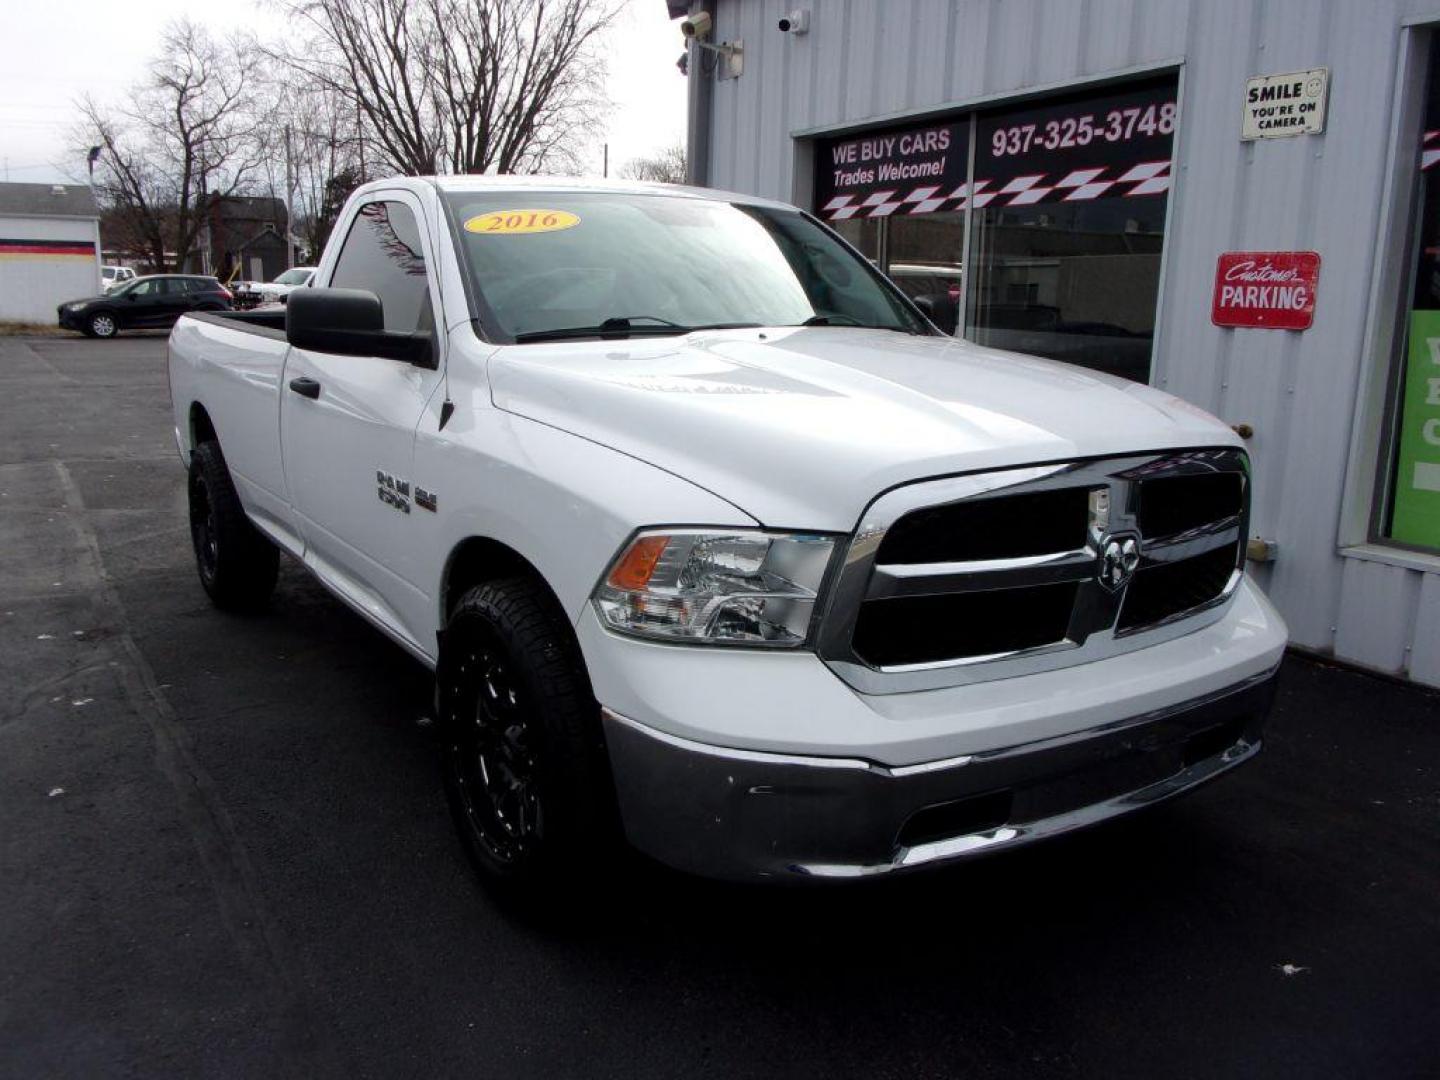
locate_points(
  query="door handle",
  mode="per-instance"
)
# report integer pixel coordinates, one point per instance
(305, 387)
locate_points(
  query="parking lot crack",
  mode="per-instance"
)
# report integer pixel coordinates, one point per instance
(38, 694)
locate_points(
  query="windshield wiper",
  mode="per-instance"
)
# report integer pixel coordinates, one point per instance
(601, 331)
(622, 326)
(831, 320)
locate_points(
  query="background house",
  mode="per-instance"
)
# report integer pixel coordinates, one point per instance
(246, 238)
(49, 248)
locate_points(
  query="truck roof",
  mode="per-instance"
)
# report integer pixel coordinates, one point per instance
(530, 184)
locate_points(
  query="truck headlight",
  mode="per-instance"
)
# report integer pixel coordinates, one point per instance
(716, 587)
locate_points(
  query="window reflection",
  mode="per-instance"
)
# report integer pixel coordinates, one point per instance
(926, 251)
(383, 254)
(1076, 282)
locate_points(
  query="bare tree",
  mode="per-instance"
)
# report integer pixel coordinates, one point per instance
(462, 85)
(187, 134)
(665, 166)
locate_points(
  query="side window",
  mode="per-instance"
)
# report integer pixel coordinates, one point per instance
(383, 254)
(145, 288)
(176, 286)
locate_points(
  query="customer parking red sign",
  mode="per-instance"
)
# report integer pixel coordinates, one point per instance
(1270, 289)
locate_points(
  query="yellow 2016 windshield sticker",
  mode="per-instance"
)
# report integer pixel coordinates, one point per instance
(514, 222)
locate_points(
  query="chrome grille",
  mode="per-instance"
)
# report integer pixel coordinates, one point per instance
(1139, 549)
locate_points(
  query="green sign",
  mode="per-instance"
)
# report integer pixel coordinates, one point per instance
(1417, 476)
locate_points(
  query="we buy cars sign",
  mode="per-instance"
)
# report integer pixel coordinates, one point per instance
(1270, 289)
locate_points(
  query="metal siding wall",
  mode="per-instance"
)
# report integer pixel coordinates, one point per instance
(1425, 643)
(867, 59)
(974, 39)
(770, 121)
(1313, 408)
(931, 56)
(1056, 50)
(1377, 613)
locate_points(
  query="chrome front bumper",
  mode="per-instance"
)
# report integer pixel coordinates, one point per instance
(742, 814)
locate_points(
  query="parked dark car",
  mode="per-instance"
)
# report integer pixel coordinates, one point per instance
(146, 303)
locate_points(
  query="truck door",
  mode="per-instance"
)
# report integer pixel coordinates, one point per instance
(347, 424)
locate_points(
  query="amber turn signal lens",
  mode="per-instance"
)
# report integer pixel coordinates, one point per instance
(632, 572)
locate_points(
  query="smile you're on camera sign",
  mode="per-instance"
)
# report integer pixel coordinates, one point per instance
(1280, 105)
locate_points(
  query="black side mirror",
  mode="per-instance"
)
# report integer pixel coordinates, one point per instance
(350, 322)
(925, 304)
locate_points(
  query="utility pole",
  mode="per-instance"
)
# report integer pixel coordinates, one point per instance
(360, 139)
(289, 205)
(207, 264)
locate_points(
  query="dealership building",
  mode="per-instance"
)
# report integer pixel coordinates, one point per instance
(1230, 200)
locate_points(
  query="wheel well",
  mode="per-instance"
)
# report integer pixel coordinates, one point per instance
(480, 559)
(201, 427)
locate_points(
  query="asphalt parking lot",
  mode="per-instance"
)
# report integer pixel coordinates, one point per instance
(224, 851)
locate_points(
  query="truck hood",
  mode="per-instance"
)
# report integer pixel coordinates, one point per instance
(803, 427)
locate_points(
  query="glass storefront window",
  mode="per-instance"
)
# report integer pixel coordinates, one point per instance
(892, 194)
(1069, 221)
(1072, 282)
(1063, 208)
(1411, 509)
(863, 234)
(926, 256)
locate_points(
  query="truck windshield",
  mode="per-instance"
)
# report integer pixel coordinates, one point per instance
(555, 265)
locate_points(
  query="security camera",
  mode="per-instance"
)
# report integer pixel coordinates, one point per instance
(797, 22)
(696, 26)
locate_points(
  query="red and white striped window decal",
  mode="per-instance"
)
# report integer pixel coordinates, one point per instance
(1078, 185)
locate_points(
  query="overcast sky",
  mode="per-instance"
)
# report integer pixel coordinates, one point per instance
(56, 50)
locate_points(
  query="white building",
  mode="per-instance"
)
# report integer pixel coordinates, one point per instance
(1103, 181)
(49, 249)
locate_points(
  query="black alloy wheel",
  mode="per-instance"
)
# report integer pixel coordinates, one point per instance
(203, 529)
(492, 754)
(237, 564)
(522, 752)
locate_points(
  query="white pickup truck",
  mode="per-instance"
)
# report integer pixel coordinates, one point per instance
(716, 544)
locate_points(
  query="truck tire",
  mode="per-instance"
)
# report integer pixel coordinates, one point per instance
(237, 564)
(523, 755)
